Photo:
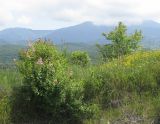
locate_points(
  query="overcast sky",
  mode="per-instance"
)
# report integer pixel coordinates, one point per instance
(53, 14)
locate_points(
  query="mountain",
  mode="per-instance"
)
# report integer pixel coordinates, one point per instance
(86, 32)
(20, 35)
(151, 33)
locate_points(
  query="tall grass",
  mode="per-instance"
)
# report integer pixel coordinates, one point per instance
(9, 78)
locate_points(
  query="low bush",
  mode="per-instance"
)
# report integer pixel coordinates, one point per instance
(80, 58)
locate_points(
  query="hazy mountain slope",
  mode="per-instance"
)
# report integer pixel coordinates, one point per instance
(21, 35)
(85, 32)
(9, 52)
(151, 33)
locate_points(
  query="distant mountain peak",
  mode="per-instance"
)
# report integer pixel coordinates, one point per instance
(16, 28)
(87, 23)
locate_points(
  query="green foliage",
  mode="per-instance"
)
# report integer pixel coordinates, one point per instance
(48, 94)
(80, 58)
(123, 90)
(121, 43)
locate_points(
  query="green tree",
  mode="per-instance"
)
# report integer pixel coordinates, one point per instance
(121, 43)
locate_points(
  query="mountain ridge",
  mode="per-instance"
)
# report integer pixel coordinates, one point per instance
(86, 32)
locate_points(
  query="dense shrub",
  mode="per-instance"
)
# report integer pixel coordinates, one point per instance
(48, 94)
(80, 58)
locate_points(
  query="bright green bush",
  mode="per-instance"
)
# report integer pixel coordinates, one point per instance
(80, 58)
(48, 94)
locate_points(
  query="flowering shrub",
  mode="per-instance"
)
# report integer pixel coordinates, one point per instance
(42, 66)
(48, 94)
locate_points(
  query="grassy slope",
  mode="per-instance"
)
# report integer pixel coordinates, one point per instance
(126, 90)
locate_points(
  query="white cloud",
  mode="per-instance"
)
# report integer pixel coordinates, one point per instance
(24, 20)
(58, 13)
(5, 16)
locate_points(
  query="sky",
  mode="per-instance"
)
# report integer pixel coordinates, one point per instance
(54, 14)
